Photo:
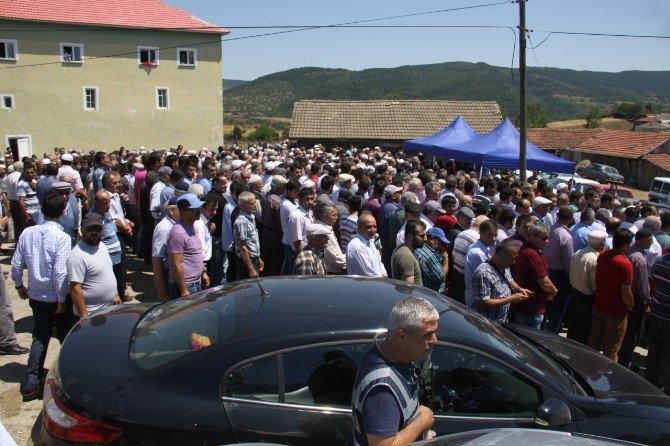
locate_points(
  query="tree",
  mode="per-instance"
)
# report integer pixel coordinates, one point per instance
(535, 116)
(627, 111)
(237, 133)
(263, 133)
(594, 117)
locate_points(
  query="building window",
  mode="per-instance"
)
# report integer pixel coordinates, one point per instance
(187, 57)
(162, 97)
(147, 55)
(91, 101)
(71, 52)
(8, 50)
(7, 101)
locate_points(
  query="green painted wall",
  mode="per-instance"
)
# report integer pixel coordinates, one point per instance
(48, 96)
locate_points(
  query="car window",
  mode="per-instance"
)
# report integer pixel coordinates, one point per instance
(656, 186)
(322, 375)
(255, 380)
(182, 327)
(666, 188)
(467, 383)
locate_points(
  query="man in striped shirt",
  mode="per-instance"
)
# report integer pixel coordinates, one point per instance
(43, 250)
(29, 204)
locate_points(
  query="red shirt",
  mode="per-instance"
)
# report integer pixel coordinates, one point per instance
(528, 268)
(612, 271)
(445, 222)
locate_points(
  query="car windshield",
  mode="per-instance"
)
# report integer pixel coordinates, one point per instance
(608, 169)
(182, 327)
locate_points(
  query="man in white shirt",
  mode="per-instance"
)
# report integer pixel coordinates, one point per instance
(300, 219)
(363, 258)
(155, 193)
(288, 206)
(204, 227)
(159, 260)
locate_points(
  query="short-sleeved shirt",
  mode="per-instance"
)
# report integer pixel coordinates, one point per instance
(185, 241)
(159, 240)
(528, 268)
(245, 231)
(24, 189)
(91, 266)
(612, 271)
(404, 264)
(489, 283)
(432, 272)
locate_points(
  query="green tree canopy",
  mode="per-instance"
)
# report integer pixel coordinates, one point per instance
(594, 117)
(263, 133)
(535, 116)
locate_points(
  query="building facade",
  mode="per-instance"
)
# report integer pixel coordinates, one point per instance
(93, 85)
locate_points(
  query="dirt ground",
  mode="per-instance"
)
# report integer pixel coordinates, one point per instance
(21, 419)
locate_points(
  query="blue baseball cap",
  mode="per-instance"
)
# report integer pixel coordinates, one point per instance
(189, 201)
(439, 233)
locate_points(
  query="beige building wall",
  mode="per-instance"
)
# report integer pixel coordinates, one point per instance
(49, 94)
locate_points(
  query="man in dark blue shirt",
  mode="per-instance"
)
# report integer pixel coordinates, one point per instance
(385, 400)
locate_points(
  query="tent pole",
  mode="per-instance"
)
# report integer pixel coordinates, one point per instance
(481, 171)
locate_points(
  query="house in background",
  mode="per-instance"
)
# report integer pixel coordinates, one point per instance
(100, 74)
(385, 123)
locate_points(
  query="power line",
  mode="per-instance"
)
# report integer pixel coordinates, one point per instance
(285, 32)
(304, 27)
(577, 33)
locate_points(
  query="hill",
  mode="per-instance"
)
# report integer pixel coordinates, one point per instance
(564, 93)
(232, 83)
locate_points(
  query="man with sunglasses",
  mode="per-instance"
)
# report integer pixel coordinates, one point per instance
(531, 272)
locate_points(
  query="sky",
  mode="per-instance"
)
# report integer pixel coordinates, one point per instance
(362, 48)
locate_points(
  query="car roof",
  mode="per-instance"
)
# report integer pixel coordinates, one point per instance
(336, 304)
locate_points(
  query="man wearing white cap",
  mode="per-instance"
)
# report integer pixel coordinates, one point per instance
(541, 207)
(310, 261)
(67, 170)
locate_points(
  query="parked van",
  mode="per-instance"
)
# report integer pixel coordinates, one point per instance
(659, 192)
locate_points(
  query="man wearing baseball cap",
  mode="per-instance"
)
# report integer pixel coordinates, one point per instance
(433, 259)
(89, 267)
(184, 249)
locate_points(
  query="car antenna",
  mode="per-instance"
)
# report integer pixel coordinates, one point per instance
(263, 292)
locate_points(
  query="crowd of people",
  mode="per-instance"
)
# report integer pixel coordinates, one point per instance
(513, 251)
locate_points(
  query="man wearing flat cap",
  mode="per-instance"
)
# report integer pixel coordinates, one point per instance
(89, 267)
(310, 261)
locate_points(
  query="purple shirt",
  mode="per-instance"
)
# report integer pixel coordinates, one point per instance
(559, 249)
(185, 241)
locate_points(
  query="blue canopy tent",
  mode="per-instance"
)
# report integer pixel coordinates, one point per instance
(438, 144)
(500, 148)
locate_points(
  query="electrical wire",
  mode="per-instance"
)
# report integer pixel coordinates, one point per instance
(576, 33)
(282, 32)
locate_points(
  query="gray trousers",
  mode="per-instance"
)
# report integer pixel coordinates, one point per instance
(7, 335)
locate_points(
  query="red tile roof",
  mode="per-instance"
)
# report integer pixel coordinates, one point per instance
(623, 144)
(555, 139)
(152, 14)
(661, 160)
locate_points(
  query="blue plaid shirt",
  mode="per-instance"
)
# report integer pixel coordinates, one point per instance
(489, 283)
(43, 250)
(430, 263)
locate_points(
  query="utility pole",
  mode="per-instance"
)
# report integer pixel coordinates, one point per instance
(522, 89)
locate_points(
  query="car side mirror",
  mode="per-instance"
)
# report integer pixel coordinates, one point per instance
(553, 413)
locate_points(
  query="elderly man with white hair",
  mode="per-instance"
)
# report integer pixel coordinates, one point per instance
(653, 223)
(583, 281)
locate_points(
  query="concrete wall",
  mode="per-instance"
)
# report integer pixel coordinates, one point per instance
(48, 94)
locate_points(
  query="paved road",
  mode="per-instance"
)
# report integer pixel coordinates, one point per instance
(22, 419)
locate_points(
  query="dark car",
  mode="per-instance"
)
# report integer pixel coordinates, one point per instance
(275, 360)
(601, 173)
